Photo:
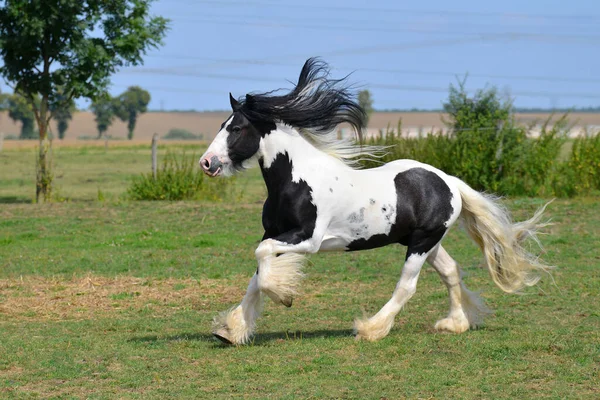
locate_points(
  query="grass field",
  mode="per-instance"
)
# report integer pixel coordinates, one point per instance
(114, 299)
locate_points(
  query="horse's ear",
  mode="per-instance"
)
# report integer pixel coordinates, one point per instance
(234, 103)
(249, 100)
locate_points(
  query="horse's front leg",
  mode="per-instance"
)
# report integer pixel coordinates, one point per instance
(280, 263)
(278, 275)
(237, 325)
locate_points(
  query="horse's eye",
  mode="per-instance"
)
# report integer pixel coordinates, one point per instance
(236, 129)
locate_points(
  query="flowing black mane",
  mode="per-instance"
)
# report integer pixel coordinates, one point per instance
(317, 104)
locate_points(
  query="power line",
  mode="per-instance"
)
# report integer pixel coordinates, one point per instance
(174, 89)
(413, 88)
(347, 51)
(437, 12)
(178, 69)
(243, 16)
(490, 76)
(355, 50)
(159, 71)
(594, 39)
(517, 93)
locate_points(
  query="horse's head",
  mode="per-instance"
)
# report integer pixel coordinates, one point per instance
(315, 106)
(237, 142)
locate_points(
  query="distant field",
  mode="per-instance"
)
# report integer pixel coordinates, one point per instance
(208, 123)
(114, 299)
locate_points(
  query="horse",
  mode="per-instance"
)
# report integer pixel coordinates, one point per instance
(319, 199)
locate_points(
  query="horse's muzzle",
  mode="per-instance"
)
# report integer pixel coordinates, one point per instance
(211, 165)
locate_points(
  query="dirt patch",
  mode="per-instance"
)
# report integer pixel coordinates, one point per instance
(91, 296)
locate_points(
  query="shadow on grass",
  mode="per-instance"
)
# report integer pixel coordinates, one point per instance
(173, 338)
(14, 200)
(260, 339)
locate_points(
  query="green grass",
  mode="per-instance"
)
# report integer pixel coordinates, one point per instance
(115, 299)
(90, 172)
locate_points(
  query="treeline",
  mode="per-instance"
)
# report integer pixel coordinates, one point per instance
(127, 107)
(21, 109)
(488, 150)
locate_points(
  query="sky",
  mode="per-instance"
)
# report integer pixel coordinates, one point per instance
(541, 53)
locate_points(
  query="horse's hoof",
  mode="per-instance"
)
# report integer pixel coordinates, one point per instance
(223, 336)
(287, 302)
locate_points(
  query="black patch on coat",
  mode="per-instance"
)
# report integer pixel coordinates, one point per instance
(288, 213)
(423, 206)
(244, 137)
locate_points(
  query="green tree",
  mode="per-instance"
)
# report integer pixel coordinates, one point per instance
(129, 104)
(104, 110)
(62, 112)
(483, 110)
(366, 102)
(486, 136)
(20, 110)
(70, 46)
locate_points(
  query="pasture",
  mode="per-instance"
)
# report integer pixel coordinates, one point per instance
(101, 297)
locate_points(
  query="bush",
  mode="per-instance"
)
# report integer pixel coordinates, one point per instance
(182, 134)
(486, 149)
(580, 173)
(532, 163)
(179, 178)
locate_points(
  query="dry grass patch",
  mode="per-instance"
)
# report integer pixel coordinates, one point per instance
(38, 298)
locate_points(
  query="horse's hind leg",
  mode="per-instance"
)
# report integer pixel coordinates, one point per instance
(379, 325)
(237, 325)
(466, 308)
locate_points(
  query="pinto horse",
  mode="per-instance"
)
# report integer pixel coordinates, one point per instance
(319, 200)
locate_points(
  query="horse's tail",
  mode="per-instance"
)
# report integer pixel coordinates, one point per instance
(489, 225)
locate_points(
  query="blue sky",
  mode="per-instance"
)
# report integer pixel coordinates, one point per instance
(542, 53)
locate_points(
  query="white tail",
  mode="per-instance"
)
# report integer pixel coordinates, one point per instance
(490, 226)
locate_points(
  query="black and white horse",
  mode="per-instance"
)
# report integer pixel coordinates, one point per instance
(318, 201)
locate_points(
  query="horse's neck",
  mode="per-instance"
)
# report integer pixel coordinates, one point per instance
(285, 146)
(285, 140)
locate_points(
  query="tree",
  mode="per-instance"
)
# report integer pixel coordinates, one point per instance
(129, 104)
(19, 110)
(62, 114)
(70, 46)
(366, 102)
(487, 139)
(103, 108)
(484, 110)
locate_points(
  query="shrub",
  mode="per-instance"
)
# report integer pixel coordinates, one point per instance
(486, 149)
(179, 178)
(532, 163)
(431, 149)
(182, 134)
(521, 166)
(580, 174)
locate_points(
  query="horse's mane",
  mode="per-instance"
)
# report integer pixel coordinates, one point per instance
(315, 107)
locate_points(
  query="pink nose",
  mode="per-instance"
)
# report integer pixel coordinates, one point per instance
(211, 164)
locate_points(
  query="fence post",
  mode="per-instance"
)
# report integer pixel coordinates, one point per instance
(1, 140)
(154, 154)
